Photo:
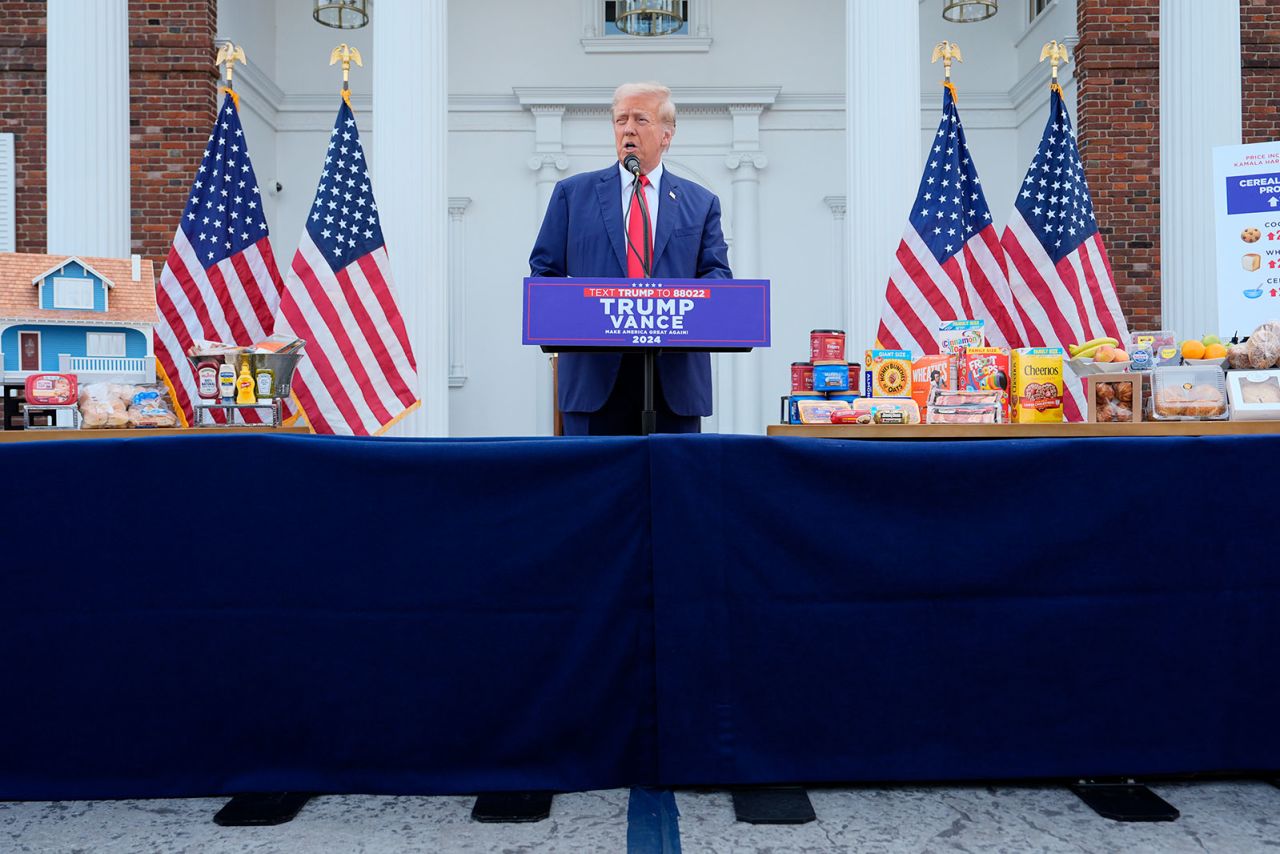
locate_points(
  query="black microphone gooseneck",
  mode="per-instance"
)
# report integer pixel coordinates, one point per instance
(649, 416)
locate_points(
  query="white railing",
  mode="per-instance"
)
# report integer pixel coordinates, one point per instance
(119, 367)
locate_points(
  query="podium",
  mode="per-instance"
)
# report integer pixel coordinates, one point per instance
(651, 316)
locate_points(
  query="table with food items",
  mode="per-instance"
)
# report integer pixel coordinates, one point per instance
(1150, 384)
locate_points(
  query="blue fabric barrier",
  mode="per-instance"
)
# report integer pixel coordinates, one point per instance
(377, 616)
(410, 616)
(846, 611)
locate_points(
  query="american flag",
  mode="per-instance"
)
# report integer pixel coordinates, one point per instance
(359, 375)
(949, 265)
(1058, 268)
(220, 281)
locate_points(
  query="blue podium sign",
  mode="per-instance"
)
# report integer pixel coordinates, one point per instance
(694, 314)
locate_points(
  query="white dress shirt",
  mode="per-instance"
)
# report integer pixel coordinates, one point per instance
(651, 198)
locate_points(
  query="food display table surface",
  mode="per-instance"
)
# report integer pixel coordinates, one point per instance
(449, 616)
(142, 432)
(1025, 431)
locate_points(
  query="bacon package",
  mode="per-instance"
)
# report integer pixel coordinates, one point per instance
(965, 407)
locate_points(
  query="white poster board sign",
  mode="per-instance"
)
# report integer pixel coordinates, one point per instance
(1246, 193)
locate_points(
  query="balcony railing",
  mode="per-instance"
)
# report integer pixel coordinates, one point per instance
(138, 370)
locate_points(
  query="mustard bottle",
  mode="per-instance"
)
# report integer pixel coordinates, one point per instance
(245, 392)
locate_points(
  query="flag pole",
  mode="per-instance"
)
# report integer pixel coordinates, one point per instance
(1056, 53)
(228, 55)
(947, 51)
(346, 54)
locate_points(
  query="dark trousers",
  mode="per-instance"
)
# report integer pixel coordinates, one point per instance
(620, 415)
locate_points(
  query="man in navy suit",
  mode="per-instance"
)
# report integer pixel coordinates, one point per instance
(589, 230)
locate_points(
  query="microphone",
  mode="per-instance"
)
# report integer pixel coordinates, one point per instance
(632, 164)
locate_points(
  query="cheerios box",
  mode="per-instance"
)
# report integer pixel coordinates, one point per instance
(887, 373)
(1037, 385)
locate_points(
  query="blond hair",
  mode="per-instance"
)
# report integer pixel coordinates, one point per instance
(666, 109)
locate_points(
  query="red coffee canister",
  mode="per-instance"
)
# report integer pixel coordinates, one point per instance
(801, 376)
(855, 376)
(826, 346)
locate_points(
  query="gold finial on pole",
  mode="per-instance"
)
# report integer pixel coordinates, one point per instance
(946, 51)
(1056, 53)
(347, 54)
(228, 55)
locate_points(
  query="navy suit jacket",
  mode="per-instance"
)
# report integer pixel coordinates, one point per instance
(582, 235)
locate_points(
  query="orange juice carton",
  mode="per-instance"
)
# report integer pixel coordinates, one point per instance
(887, 373)
(985, 369)
(957, 335)
(929, 373)
(1037, 385)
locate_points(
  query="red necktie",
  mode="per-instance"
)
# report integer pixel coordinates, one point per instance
(637, 247)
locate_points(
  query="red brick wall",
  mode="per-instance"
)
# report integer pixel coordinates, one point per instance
(171, 109)
(22, 109)
(1118, 130)
(1260, 68)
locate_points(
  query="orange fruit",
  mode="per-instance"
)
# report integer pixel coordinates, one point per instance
(1120, 356)
(1192, 349)
(1215, 351)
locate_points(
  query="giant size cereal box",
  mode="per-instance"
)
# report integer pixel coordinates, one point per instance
(1037, 385)
(887, 373)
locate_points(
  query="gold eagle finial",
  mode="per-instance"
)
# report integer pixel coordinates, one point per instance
(946, 51)
(346, 54)
(1056, 53)
(228, 55)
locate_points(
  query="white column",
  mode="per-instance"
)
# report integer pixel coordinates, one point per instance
(1199, 108)
(410, 121)
(457, 291)
(882, 106)
(741, 401)
(549, 164)
(87, 136)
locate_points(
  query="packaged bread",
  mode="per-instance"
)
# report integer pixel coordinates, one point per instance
(104, 405)
(1264, 348)
(149, 407)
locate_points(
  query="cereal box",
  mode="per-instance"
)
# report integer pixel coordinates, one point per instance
(957, 335)
(1037, 385)
(928, 373)
(985, 369)
(887, 373)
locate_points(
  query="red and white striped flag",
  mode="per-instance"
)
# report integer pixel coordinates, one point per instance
(1058, 267)
(220, 281)
(357, 375)
(949, 265)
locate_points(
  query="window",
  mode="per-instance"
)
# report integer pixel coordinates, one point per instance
(1035, 7)
(611, 17)
(73, 293)
(600, 33)
(104, 344)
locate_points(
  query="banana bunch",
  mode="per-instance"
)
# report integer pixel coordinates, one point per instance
(1088, 348)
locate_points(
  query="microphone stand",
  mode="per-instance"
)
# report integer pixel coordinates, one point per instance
(649, 415)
